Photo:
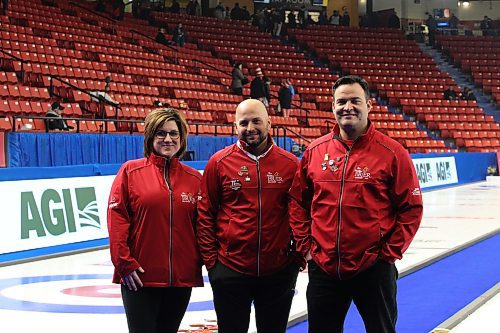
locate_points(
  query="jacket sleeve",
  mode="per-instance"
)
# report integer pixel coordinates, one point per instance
(299, 207)
(407, 202)
(208, 207)
(119, 225)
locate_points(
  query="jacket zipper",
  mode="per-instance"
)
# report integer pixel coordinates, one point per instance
(166, 176)
(259, 226)
(342, 182)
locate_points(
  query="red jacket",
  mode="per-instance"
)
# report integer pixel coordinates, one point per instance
(350, 207)
(243, 210)
(151, 216)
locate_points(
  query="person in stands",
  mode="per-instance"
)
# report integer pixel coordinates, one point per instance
(179, 35)
(238, 79)
(450, 94)
(55, 121)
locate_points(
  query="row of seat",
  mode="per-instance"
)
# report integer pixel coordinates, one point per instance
(206, 96)
(338, 58)
(14, 91)
(257, 52)
(383, 87)
(38, 108)
(406, 134)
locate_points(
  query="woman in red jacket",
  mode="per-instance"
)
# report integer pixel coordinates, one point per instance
(151, 216)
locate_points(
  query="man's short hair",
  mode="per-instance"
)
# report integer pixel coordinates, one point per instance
(352, 79)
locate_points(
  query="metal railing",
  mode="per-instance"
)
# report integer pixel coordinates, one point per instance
(103, 125)
(92, 96)
(18, 59)
(276, 134)
(176, 52)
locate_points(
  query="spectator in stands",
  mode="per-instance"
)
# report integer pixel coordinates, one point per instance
(236, 12)
(100, 6)
(335, 18)
(345, 19)
(278, 17)
(118, 10)
(228, 13)
(238, 79)
(359, 185)
(453, 22)
(220, 11)
(159, 104)
(179, 35)
(303, 17)
(393, 21)
(292, 20)
(267, 86)
(468, 94)
(486, 25)
(243, 230)
(245, 14)
(290, 86)
(431, 27)
(161, 38)
(450, 94)
(285, 99)
(175, 8)
(56, 122)
(193, 8)
(258, 88)
(136, 8)
(151, 228)
(323, 17)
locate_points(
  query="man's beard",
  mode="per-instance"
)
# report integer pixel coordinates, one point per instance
(255, 143)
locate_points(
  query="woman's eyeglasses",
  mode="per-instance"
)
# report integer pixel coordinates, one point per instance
(163, 134)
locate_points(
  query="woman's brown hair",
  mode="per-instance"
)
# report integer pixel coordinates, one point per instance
(155, 120)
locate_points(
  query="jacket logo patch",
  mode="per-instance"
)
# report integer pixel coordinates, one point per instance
(361, 173)
(416, 191)
(274, 178)
(188, 197)
(235, 184)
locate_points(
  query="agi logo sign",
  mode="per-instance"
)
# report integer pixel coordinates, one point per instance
(58, 212)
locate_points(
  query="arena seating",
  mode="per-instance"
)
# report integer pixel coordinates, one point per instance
(401, 74)
(478, 56)
(82, 48)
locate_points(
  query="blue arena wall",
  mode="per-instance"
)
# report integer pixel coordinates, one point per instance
(61, 149)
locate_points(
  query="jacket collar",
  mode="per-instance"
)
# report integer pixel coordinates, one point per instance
(52, 112)
(244, 147)
(365, 137)
(161, 161)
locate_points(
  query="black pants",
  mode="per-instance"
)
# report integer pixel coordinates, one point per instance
(271, 295)
(238, 91)
(155, 310)
(373, 292)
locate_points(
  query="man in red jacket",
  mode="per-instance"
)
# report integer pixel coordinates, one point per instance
(356, 206)
(243, 227)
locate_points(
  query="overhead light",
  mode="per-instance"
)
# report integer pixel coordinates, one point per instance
(466, 3)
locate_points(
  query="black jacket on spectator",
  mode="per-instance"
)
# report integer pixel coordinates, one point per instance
(285, 97)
